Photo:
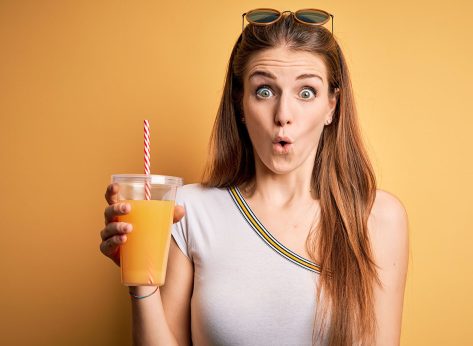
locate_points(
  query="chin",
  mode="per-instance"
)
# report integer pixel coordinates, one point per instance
(281, 166)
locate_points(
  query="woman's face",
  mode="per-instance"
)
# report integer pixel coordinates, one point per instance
(285, 105)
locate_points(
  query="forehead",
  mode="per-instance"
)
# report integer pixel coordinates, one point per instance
(284, 60)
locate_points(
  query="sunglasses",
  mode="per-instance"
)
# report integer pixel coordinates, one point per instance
(266, 16)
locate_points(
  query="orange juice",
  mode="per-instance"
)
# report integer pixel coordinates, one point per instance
(144, 256)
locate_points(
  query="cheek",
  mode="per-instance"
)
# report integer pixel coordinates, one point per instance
(311, 133)
(256, 129)
(310, 130)
(311, 119)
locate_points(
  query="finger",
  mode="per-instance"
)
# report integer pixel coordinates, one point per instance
(115, 228)
(179, 213)
(114, 210)
(111, 246)
(111, 194)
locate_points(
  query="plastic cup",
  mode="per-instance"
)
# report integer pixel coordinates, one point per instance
(144, 256)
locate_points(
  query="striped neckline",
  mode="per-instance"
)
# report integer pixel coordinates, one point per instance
(266, 236)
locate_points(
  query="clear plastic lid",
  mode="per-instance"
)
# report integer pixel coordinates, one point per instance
(151, 178)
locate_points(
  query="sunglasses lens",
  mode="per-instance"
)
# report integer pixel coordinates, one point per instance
(312, 16)
(262, 16)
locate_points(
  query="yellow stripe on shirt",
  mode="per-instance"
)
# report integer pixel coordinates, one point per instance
(266, 236)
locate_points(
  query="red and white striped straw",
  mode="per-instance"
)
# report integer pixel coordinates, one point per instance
(147, 159)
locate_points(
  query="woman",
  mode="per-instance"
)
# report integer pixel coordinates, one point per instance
(286, 241)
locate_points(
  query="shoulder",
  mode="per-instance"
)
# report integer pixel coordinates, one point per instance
(197, 194)
(387, 208)
(388, 230)
(196, 190)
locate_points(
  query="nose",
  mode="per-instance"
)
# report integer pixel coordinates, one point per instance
(283, 113)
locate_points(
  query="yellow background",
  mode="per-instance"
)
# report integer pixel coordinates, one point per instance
(78, 77)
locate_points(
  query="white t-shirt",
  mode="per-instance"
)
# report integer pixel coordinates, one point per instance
(248, 288)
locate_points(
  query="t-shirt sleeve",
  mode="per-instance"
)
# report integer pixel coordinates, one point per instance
(180, 230)
(180, 235)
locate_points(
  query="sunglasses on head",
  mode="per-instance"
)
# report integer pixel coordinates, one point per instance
(266, 16)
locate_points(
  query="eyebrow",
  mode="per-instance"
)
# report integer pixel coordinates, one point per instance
(272, 76)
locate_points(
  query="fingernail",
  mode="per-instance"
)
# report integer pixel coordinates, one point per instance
(128, 228)
(123, 208)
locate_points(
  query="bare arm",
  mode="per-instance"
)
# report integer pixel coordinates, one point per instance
(389, 240)
(176, 294)
(164, 317)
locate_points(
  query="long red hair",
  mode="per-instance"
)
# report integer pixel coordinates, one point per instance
(342, 180)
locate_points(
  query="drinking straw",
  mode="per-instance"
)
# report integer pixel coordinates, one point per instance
(147, 160)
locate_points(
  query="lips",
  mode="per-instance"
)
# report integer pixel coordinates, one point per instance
(283, 140)
(282, 144)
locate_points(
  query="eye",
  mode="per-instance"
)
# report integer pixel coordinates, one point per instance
(307, 93)
(264, 92)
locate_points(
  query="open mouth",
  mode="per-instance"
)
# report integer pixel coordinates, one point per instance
(282, 140)
(282, 147)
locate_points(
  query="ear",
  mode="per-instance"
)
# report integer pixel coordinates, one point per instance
(332, 100)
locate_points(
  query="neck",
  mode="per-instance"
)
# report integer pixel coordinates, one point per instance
(282, 189)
